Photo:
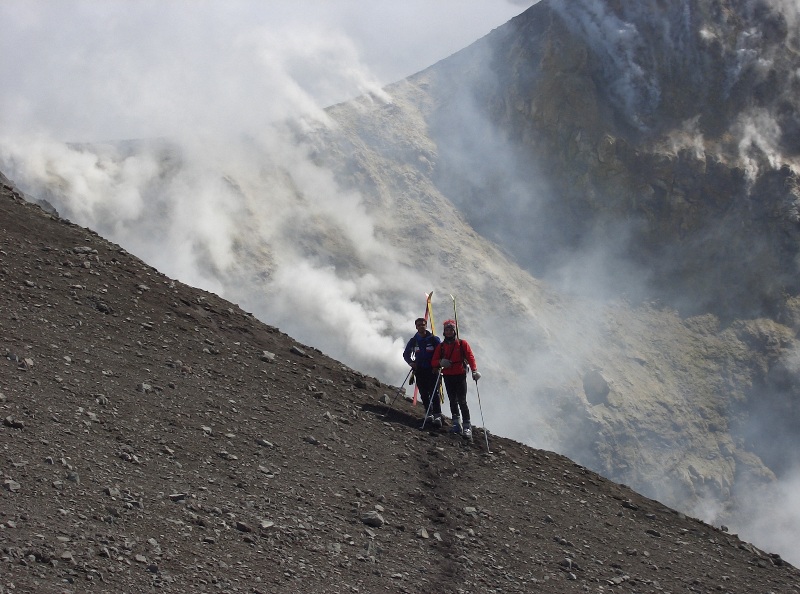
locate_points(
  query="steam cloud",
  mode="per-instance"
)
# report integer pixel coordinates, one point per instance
(209, 187)
(214, 80)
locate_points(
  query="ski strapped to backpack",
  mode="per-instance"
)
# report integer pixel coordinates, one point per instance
(455, 313)
(428, 315)
(440, 387)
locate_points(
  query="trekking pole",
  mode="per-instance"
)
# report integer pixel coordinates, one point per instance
(408, 375)
(433, 395)
(485, 431)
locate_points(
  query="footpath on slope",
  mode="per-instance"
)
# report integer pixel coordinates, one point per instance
(155, 436)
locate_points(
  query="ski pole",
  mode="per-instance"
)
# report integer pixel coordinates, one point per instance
(408, 375)
(485, 431)
(433, 395)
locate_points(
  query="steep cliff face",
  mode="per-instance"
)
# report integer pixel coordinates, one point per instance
(685, 129)
(667, 135)
(643, 153)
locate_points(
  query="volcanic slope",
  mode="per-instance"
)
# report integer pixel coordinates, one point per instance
(156, 437)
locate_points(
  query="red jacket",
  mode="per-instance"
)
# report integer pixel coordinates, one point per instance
(457, 352)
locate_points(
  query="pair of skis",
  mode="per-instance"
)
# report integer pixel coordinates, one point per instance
(429, 317)
(438, 386)
(410, 376)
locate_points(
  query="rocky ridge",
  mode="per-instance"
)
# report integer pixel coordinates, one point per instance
(667, 213)
(687, 390)
(157, 437)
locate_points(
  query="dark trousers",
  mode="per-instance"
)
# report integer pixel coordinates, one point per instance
(457, 395)
(426, 378)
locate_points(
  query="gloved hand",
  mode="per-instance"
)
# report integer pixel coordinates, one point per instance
(444, 363)
(476, 375)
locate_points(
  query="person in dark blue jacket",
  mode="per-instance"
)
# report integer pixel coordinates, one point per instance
(417, 354)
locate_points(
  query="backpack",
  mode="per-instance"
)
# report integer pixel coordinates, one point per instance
(456, 344)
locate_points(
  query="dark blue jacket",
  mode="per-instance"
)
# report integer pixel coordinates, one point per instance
(422, 347)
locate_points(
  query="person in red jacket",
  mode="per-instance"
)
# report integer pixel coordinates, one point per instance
(453, 355)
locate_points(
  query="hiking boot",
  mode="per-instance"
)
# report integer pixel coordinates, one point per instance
(437, 421)
(456, 428)
(466, 433)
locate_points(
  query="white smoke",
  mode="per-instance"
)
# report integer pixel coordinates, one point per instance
(638, 42)
(688, 136)
(759, 136)
(222, 221)
(621, 47)
(230, 194)
(226, 189)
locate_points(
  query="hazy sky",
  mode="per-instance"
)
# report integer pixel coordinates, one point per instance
(102, 69)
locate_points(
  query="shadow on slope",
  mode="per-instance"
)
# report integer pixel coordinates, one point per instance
(157, 436)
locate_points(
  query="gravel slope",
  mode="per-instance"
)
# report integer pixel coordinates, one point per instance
(156, 437)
